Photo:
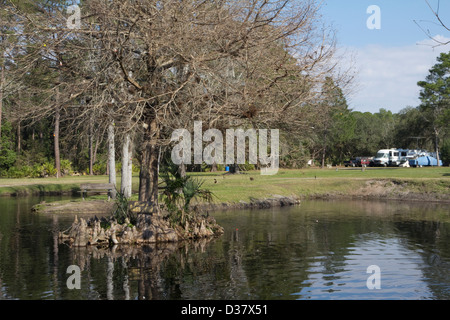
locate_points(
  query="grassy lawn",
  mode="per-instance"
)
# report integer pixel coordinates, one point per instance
(234, 188)
(310, 182)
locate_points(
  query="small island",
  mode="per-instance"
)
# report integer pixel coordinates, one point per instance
(145, 229)
(105, 223)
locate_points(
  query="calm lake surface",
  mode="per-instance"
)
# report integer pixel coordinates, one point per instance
(318, 250)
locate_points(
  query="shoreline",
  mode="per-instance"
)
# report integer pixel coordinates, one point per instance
(252, 191)
(87, 229)
(103, 207)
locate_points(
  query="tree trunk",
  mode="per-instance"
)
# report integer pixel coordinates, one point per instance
(56, 140)
(323, 157)
(94, 157)
(126, 182)
(19, 137)
(143, 174)
(91, 149)
(182, 170)
(111, 159)
(130, 170)
(148, 177)
(56, 133)
(437, 146)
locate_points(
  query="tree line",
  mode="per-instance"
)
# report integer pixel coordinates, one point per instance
(114, 88)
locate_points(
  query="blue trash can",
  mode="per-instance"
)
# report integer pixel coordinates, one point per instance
(227, 169)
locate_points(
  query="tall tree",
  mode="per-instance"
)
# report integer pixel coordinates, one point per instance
(247, 63)
(410, 130)
(334, 125)
(435, 99)
(386, 123)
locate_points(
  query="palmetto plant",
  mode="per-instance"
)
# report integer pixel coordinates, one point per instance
(179, 191)
(193, 189)
(121, 212)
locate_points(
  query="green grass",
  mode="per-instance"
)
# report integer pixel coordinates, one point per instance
(234, 188)
(319, 182)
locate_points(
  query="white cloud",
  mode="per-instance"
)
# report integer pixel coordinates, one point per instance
(388, 76)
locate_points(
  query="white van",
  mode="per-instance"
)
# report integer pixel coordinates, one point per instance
(382, 157)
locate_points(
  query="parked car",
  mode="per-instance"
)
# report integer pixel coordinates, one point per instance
(350, 163)
(358, 162)
(363, 161)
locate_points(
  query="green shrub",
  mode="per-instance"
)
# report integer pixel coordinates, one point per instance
(445, 152)
(14, 172)
(247, 166)
(66, 167)
(99, 168)
(37, 171)
(122, 212)
(48, 169)
(7, 157)
(26, 171)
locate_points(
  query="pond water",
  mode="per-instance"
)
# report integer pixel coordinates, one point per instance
(318, 250)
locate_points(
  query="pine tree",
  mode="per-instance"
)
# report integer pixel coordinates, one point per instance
(435, 99)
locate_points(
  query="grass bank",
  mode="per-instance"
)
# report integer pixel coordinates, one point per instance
(46, 186)
(384, 183)
(431, 184)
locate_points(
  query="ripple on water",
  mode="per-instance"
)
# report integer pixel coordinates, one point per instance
(400, 274)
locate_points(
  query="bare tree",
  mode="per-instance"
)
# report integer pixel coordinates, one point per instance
(439, 22)
(165, 64)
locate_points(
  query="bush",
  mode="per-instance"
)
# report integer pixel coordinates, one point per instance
(66, 167)
(7, 154)
(36, 171)
(121, 210)
(247, 166)
(48, 169)
(445, 152)
(99, 168)
(26, 171)
(14, 172)
(7, 158)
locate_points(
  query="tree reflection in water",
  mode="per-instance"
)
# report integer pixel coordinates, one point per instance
(320, 249)
(131, 271)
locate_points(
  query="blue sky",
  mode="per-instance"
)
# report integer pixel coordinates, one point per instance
(390, 61)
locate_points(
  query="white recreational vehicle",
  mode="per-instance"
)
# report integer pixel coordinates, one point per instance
(391, 157)
(404, 158)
